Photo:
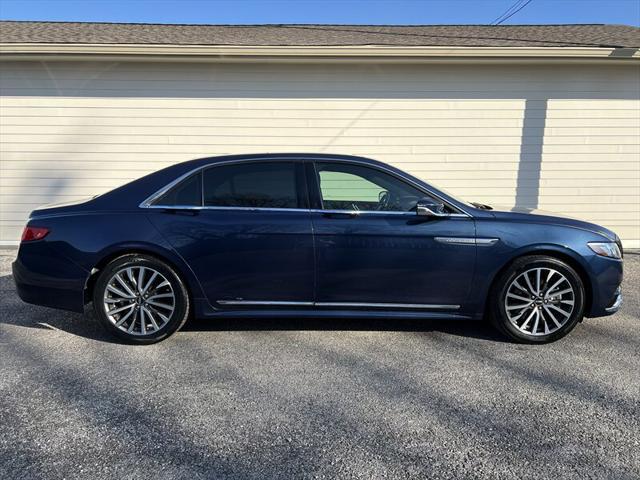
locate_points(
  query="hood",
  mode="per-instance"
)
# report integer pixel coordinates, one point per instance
(550, 218)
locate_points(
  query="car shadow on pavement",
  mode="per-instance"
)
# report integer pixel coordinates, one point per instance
(464, 328)
(15, 312)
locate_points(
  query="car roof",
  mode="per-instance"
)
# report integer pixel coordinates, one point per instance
(294, 157)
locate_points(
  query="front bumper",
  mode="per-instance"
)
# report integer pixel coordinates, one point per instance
(606, 279)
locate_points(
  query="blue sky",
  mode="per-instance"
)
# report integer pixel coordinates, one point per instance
(322, 11)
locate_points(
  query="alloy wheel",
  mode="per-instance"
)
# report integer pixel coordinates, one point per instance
(139, 300)
(539, 301)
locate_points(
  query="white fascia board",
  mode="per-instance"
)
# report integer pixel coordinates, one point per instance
(24, 51)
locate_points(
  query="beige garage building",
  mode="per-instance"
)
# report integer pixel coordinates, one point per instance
(535, 116)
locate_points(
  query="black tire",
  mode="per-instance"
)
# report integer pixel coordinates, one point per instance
(176, 287)
(498, 310)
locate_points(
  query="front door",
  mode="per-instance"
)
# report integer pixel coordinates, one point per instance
(373, 250)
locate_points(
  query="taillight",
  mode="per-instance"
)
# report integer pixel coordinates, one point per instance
(29, 234)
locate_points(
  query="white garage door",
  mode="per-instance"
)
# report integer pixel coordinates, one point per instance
(563, 138)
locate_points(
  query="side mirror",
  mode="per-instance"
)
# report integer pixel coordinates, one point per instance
(427, 207)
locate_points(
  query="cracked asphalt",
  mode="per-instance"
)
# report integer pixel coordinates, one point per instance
(317, 399)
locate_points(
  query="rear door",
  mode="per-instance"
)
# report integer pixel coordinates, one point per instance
(374, 251)
(249, 238)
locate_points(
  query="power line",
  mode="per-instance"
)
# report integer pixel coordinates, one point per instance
(511, 11)
(513, 5)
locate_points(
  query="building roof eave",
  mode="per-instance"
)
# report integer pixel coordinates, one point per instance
(231, 53)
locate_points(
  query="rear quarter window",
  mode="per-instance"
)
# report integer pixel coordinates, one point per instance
(187, 193)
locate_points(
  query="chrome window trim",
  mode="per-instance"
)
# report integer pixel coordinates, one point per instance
(422, 306)
(249, 209)
(354, 213)
(147, 203)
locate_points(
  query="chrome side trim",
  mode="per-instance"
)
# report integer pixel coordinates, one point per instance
(481, 242)
(265, 302)
(617, 303)
(486, 242)
(149, 200)
(422, 306)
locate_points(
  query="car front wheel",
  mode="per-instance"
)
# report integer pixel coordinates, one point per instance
(140, 299)
(538, 299)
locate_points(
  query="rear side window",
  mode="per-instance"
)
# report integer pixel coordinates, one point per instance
(187, 193)
(259, 185)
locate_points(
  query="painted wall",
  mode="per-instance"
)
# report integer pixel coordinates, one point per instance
(561, 137)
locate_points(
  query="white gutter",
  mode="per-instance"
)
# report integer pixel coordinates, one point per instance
(227, 53)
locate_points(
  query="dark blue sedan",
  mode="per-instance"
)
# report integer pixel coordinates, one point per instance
(311, 235)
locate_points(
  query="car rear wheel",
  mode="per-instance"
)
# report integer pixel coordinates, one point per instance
(538, 299)
(140, 299)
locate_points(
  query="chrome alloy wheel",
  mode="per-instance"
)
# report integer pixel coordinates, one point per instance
(139, 300)
(539, 301)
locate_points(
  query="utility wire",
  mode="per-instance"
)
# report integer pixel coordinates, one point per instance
(511, 11)
(506, 12)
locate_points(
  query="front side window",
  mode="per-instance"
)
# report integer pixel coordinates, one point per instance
(354, 187)
(257, 184)
(187, 193)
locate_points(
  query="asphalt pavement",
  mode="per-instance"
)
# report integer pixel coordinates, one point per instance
(290, 399)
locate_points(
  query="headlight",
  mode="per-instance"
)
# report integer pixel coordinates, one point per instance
(605, 249)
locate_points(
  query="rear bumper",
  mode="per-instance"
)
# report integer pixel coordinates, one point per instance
(44, 278)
